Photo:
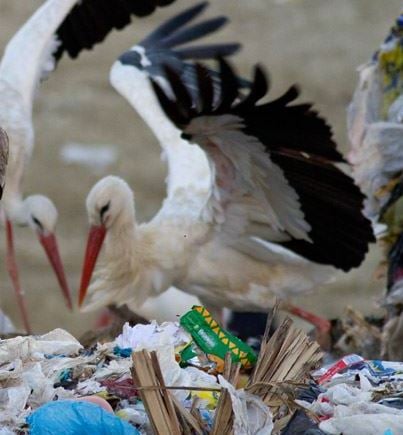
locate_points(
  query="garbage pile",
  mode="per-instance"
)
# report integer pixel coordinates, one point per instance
(358, 396)
(192, 377)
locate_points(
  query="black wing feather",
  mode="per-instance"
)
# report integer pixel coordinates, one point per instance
(258, 90)
(170, 107)
(90, 21)
(229, 87)
(332, 205)
(206, 87)
(172, 25)
(160, 51)
(190, 34)
(211, 51)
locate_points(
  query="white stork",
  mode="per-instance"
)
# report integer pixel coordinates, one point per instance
(274, 184)
(58, 26)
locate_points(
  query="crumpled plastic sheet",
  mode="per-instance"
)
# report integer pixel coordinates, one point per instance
(151, 336)
(70, 417)
(368, 424)
(340, 394)
(135, 414)
(6, 325)
(24, 384)
(32, 390)
(56, 342)
(352, 411)
(251, 415)
(163, 340)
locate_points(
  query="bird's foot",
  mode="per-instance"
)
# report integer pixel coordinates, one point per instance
(322, 326)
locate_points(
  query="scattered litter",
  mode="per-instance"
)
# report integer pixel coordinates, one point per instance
(140, 383)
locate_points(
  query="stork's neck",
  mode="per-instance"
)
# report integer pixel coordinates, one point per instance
(187, 165)
(121, 236)
(15, 209)
(29, 50)
(134, 85)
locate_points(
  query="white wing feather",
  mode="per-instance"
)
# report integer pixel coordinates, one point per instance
(250, 195)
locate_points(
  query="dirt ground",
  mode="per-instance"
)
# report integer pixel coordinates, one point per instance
(316, 43)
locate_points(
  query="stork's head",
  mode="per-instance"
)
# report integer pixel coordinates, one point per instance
(41, 216)
(106, 201)
(109, 199)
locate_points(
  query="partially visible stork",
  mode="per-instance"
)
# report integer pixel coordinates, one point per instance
(57, 27)
(274, 185)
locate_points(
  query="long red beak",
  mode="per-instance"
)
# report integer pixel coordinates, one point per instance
(49, 244)
(96, 237)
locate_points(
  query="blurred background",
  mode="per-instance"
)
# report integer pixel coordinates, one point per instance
(318, 44)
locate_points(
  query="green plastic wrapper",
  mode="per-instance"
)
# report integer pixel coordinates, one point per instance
(213, 340)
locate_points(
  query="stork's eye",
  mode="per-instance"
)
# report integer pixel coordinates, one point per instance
(37, 222)
(104, 209)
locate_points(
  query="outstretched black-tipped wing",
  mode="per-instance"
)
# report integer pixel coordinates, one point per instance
(3, 159)
(167, 45)
(174, 33)
(90, 21)
(276, 160)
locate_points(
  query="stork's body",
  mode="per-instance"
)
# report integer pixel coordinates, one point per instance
(144, 260)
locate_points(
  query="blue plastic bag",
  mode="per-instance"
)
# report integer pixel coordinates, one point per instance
(71, 417)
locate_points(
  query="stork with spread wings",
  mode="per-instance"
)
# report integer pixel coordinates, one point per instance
(279, 217)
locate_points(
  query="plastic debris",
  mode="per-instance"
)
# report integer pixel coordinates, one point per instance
(213, 340)
(340, 366)
(76, 417)
(6, 325)
(144, 386)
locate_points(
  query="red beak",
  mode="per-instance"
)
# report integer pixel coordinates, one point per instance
(95, 240)
(49, 244)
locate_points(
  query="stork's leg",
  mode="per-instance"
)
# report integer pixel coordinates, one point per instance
(323, 325)
(13, 272)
